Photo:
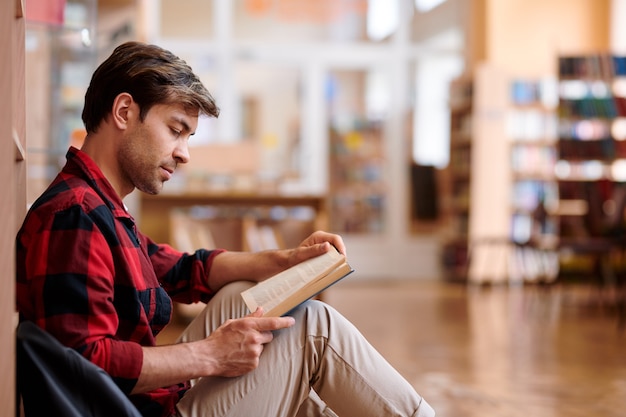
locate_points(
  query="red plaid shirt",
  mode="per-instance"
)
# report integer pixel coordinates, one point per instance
(90, 278)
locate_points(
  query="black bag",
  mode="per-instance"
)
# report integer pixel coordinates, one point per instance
(54, 380)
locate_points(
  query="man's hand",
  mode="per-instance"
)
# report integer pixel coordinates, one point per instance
(320, 237)
(232, 266)
(235, 347)
(316, 244)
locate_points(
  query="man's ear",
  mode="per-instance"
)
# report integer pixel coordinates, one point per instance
(122, 110)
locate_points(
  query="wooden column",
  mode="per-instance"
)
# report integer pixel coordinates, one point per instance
(12, 172)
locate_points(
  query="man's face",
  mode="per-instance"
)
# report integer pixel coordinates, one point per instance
(152, 149)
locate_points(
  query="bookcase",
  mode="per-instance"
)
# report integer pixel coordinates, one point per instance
(551, 202)
(532, 127)
(502, 157)
(455, 248)
(61, 55)
(357, 186)
(591, 165)
(233, 221)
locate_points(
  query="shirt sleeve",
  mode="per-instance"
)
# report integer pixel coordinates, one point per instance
(182, 275)
(70, 277)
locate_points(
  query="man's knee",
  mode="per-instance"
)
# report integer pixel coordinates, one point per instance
(228, 301)
(318, 318)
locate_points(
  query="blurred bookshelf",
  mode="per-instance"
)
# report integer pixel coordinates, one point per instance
(455, 248)
(532, 129)
(63, 44)
(231, 220)
(502, 159)
(591, 165)
(60, 46)
(357, 187)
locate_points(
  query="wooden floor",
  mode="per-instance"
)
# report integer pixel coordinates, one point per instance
(496, 351)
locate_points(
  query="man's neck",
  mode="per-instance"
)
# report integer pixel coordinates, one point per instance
(101, 149)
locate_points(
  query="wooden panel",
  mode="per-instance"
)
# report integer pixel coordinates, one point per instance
(18, 84)
(12, 172)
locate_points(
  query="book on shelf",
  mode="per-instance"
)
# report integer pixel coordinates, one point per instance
(190, 233)
(286, 290)
(602, 66)
(260, 237)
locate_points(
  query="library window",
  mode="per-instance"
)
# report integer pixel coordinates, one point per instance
(431, 118)
(382, 18)
(427, 5)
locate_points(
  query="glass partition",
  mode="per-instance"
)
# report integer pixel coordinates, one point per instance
(357, 105)
(60, 58)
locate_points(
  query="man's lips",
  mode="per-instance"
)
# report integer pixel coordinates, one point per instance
(168, 172)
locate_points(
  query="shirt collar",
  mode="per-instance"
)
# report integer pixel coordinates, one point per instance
(81, 164)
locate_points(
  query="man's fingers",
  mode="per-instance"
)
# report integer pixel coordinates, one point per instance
(265, 324)
(321, 237)
(257, 313)
(266, 337)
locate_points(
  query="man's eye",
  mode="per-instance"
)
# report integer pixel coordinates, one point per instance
(175, 131)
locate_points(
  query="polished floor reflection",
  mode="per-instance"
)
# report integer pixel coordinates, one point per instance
(497, 351)
(529, 351)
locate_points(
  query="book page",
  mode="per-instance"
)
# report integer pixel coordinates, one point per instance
(271, 292)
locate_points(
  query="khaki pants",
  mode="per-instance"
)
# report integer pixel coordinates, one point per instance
(321, 360)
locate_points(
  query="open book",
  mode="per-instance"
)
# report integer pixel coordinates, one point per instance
(281, 293)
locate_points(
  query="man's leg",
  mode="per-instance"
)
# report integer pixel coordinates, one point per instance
(322, 351)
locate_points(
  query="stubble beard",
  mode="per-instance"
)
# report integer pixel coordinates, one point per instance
(137, 171)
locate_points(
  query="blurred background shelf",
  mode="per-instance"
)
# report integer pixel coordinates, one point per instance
(304, 213)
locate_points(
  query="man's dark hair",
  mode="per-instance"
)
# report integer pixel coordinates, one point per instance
(152, 75)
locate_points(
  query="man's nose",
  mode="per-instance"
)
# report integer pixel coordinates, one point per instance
(181, 153)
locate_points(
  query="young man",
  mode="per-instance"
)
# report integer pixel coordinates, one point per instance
(91, 279)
